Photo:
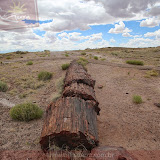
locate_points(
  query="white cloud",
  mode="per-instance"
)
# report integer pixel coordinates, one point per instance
(126, 8)
(70, 15)
(80, 14)
(153, 34)
(126, 35)
(150, 22)
(112, 40)
(141, 42)
(119, 28)
(30, 41)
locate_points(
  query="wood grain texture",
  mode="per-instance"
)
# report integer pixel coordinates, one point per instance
(77, 74)
(70, 121)
(82, 91)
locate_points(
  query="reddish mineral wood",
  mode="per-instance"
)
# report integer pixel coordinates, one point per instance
(70, 121)
(76, 73)
(83, 91)
(110, 153)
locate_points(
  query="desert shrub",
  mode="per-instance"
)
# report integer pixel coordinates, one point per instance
(3, 87)
(32, 84)
(82, 61)
(153, 73)
(47, 51)
(114, 54)
(21, 52)
(29, 63)
(65, 66)
(137, 99)
(8, 57)
(103, 59)
(26, 112)
(24, 95)
(67, 55)
(83, 53)
(95, 57)
(44, 75)
(135, 62)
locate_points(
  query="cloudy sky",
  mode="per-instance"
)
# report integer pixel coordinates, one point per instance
(80, 24)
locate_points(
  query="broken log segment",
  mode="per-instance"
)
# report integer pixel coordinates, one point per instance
(83, 91)
(70, 121)
(77, 74)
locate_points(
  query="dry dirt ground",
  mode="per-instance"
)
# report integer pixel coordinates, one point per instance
(135, 127)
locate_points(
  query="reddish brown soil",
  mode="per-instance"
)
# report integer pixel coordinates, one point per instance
(121, 122)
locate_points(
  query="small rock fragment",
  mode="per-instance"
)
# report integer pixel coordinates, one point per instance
(157, 104)
(100, 86)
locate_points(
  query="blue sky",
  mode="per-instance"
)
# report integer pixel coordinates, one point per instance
(80, 24)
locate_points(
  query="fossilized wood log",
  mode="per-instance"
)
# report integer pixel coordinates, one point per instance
(83, 91)
(70, 121)
(76, 73)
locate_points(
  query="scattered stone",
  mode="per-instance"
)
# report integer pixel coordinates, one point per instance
(100, 86)
(157, 104)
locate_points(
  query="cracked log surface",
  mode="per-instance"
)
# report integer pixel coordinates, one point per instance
(83, 91)
(70, 121)
(77, 74)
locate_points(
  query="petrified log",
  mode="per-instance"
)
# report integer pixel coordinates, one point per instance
(76, 73)
(83, 91)
(70, 121)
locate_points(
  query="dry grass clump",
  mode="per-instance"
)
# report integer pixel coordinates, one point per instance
(3, 86)
(44, 75)
(26, 112)
(137, 99)
(135, 62)
(65, 66)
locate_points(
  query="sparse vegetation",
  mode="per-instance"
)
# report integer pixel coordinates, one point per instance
(114, 54)
(44, 75)
(60, 85)
(65, 66)
(3, 86)
(83, 53)
(47, 51)
(137, 99)
(21, 52)
(56, 96)
(103, 59)
(153, 73)
(8, 57)
(67, 55)
(59, 89)
(95, 57)
(135, 62)
(32, 84)
(82, 61)
(21, 96)
(26, 112)
(13, 92)
(29, 63)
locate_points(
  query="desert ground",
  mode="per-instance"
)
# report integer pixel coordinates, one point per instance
(121, 122)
